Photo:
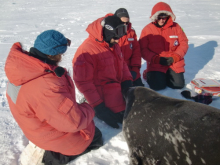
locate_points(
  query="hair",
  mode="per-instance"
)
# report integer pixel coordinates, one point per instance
(56, 59)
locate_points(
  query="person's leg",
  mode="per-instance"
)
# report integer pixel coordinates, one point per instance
(175, 80)
(156, 80)
(138, 82)
(55, 158)
(97, 141)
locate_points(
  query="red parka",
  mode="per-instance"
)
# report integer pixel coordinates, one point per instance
(44, 105)
(165, 41)
(98, 70)
(131, 50)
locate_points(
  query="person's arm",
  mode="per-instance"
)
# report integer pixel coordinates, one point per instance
(183, 40)
(83, 69)
(126, 73)
(126, 80)
(59, 109)
(135, 61)
(182, 48)
(144, 42)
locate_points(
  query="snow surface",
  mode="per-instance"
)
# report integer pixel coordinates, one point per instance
(21, 21)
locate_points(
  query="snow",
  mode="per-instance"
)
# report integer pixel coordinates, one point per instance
(21, 21)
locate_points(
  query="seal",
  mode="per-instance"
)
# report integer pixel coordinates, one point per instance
(161, 130)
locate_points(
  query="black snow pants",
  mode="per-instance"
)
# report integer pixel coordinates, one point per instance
(159, 80)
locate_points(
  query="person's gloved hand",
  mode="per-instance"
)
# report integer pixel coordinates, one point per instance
(105, 114)
(138, 82)
(120, 116)
(134, 74)
(125, 85)
(166, 61)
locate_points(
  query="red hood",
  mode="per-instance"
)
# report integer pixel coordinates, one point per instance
(21, 68)
(95, 29)
(161, 7)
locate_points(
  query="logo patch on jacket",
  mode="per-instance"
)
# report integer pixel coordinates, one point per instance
(130, 39)
(176, 43)
(173, 36)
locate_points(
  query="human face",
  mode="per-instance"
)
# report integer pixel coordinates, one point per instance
(125, 20)
(161, 20)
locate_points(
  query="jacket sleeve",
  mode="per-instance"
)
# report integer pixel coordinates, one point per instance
(183, 42)
(126, 72)
(144, 41)
(136, 56)
(83, 69)
(59, 109)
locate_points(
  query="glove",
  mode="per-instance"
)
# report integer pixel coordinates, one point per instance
(106, 115)
(166, 61)
(176, 57)
(205, 98)
(134, 74)
(120, 116)
(138, 82)
(125, 85)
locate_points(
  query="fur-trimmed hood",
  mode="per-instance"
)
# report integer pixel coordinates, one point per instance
(161, 7)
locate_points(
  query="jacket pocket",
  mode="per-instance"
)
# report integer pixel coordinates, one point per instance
(65, 106)
(113, 97)
(85, 134)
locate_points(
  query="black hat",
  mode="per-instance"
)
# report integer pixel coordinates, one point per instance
(111, 23)
(122, 12)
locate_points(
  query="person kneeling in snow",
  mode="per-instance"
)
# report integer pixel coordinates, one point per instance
(163, 45)
(41, 96)
(130, 47)
(100, 72)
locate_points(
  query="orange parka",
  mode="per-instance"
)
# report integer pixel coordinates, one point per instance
(98, 69)
(44, 105)
(163, 41)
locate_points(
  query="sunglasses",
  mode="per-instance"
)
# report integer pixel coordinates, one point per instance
(68, 43)
(162, 17)
(126, 23)
(119, 31)
(116, 38)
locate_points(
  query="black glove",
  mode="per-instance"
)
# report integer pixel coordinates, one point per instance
(125, 85)
(201, 98)
(106, 115)
(138, 82)
(166, 61)
(134, 74)
(120, 116)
